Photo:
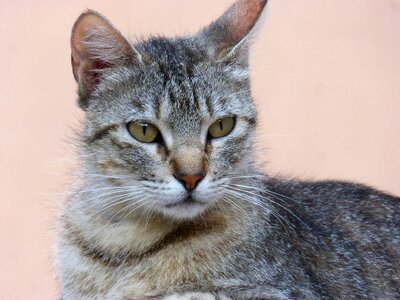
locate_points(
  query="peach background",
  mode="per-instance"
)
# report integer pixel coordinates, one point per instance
(326, 79)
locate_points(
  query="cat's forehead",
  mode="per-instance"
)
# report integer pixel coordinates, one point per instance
(179, 86)
(176, 92)
(173, 54)
(184, 82)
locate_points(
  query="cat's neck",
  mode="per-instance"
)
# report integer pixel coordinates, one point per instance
(131, 234)
(140, 234)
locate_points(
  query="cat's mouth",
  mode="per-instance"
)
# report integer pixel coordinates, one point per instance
(187, 207)
(188, 201)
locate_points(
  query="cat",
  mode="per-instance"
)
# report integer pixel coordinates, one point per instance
(171, 204)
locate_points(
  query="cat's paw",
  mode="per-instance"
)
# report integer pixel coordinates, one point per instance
(191, 296)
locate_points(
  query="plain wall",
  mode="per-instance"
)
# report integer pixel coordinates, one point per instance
(326, 79)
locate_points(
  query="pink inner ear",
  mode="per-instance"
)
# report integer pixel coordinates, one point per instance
(96, 45)
(241, 18)
(92, 73)
(233, 26)
(80, 56)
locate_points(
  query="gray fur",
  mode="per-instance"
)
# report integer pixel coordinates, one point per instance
(252, 236)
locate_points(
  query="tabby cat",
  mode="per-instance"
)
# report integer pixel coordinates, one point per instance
(171, 204)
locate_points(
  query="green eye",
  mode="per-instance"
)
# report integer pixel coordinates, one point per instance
(143, 132)
(221, 127)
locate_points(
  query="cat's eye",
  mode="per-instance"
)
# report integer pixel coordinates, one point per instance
(221, 127)
(144, 132)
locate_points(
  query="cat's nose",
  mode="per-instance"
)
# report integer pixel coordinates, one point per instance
(189, 181)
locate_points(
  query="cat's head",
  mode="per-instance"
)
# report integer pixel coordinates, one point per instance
(169, 123)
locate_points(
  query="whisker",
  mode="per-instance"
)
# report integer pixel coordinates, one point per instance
(83, 191)
(276, 203)
(267, 191)
(97, 196)
(110, 200)
(268, 209)
(249, 199)
(108, 176)
(116, 201)
(232, 202)
(140, 203)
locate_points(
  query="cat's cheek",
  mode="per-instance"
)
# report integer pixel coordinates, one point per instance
(173, 192)
(206, 192)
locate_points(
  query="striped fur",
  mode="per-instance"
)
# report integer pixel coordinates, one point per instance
(129, 230)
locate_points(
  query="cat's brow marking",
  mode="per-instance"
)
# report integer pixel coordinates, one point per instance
(250, 120)
(101, 133)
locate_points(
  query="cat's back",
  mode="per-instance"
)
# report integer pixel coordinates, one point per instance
(348, 234)
(327, 202)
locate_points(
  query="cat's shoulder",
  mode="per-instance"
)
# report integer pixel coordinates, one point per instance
(330, 192)
(329, 208)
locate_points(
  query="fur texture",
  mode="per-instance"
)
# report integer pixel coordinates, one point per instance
(131, 230)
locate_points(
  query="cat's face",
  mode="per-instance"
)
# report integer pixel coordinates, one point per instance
(171, 133)
(182, 108)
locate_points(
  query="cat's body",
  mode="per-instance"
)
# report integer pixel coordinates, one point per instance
(345, 254)
(178, 207)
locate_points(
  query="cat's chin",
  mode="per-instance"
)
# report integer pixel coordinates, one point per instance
(185, 209)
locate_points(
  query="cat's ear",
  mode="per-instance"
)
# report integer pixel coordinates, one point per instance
(230, 33)
(95, 46)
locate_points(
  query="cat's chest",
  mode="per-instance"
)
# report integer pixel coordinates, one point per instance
(124, 262)
(183, 265)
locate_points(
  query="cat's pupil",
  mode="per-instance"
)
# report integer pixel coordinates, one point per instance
(220, 124)
(144, 129)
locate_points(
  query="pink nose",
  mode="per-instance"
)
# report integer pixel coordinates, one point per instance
(190, 181)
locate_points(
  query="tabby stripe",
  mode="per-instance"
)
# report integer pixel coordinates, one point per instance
(209, 105)
(250, 120)
(183, 232)
(119, 144)
(102, 133)
(171, 96)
